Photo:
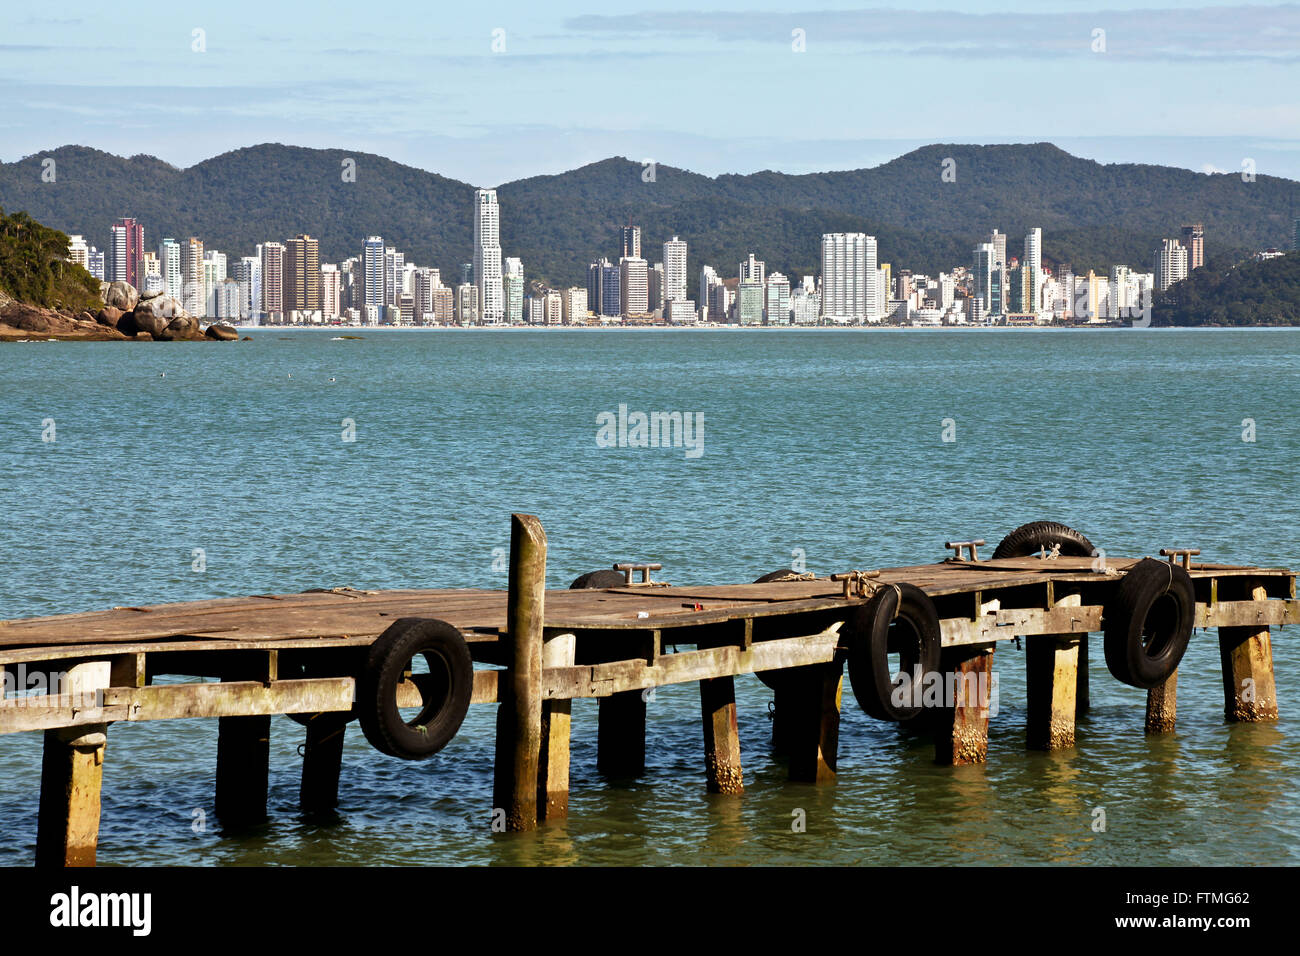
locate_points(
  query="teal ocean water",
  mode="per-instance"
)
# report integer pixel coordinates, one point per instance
(828, 444)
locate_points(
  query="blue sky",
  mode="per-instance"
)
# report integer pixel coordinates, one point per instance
(717, 89)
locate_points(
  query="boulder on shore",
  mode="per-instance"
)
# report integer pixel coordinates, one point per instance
(181, 327)
(143, 337)
(145, 296)
(222, 333)
(108, 316)
(120, 295)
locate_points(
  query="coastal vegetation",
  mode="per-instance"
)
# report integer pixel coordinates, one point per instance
(34, 267)
(1254, 292)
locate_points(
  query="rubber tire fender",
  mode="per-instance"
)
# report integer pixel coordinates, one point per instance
(1148, 623)
(1030, 538)
(599, 579)
(451, 670)
(868, 636)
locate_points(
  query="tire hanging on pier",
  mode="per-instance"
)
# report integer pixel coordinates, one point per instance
(1148, 623)
(599, 579)
(445, 690)
(1030, 538)
(900, 619)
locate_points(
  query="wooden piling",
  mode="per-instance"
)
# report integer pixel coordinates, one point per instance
(1162, 706)
(72, 774)
(814, 732)
(1051, 686)
(322, 761)
(620, 734)
(553, 758)
(1082, 700)
(1249, 692)
(721, 735)
(962, 725)
(243, 767)
(519, 717)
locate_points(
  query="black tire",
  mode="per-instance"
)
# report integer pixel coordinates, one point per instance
(775, 679)
(900, 620)
(1148, 623)
(450, 685)
(599, 579)
(1031, 538)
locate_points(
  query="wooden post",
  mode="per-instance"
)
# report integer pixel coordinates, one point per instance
(553, 760)
(322, 761)
(814, 731)
(1162, 706)
(1082, 701)
(962, 731)
(243, 762)
(72, 774)
(721, 735)
(519, 716)
(620, 735)
(1051, 683)
(1249, 693)
(782, 710)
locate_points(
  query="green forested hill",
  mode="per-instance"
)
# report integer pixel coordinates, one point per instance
(33, 270)
(1092, 215)
(1249, 293)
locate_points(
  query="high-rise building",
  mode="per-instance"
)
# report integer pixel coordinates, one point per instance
(999, 242)
(126, 251)
(248, 273)
(194, 295)
(331, 291)
(95, 263)
(634, 286)
(394, 266)
(273, 279)
(214, 274)
(169, 260)
(604, 288)
(986, 284)
(752, 270)
(656, 277)
(574, 305)
(1170, 264)
(78, 251)
(514, 291)
(776, 307)
(150, 276)
(1034, 263)
(631, 242)
(849, 278)
(749, 302)
(708, 279)
(487, 257)
(302, 274)
(674, 269)
(467, 304)
(1194, 242)
(372, 267)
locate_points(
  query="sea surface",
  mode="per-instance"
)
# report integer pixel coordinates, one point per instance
(825, 445)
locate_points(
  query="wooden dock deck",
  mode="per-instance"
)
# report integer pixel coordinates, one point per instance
(331, 656)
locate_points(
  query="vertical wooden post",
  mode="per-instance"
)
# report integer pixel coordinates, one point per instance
(1249, 692)
(1162, 706)
(519, 716)
(814, 731)
(243, 763)
(782, 712)
(553, 760)
(721, 735)
(1051, 683)
(1082, 701)
(620, 735)
(322, 761)
(72, 773)
(962, 731)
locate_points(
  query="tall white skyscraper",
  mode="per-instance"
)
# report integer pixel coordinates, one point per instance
(248, 274)
(194, 294)
(674, 270)
(752, 270)
(1171, 264)
(394, 267)
(1034, 263)
(273, 278)
(372, 265)
(513, 281)
(487, 257)
(708, 279)
(850, 278)
(634, 286)
(169, 262)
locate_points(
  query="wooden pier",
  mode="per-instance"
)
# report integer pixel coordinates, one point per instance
(919, 643)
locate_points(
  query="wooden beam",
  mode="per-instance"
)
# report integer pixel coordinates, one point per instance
(1162, 706)
(1246, 653)
(233, 698)
(553, 758)
(243, 764)
(814, 731)
(519, 716)
(962, 725)
(620, 734)
(322, 763)
(721, 736)
(1051, 682)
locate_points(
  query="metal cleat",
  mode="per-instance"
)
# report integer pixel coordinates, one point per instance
(958, 545)
(645, 570)
(1184, 553)
(857, 583)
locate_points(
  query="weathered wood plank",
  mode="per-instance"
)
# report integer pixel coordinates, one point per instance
(962, 726)
(1246, 654)
(553, 759)
(721, 736)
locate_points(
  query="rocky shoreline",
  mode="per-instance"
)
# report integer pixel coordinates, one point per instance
(126, 315)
